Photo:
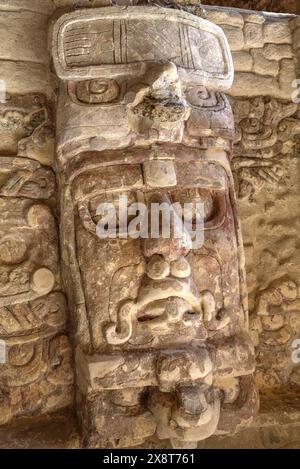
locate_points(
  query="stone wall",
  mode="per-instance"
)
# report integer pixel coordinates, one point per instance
(262, 49)
(266, 164)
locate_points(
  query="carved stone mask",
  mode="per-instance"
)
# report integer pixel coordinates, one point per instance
(160, 326)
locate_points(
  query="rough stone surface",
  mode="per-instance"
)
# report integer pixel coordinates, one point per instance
(44, 7)
(277, 32)
(253, 35)
(36, 376)
(242, 61)
(225, 17)
(277, 52)
(271, 40)
(262, 66)
(235, 37)
(266, 169)
(276, 427)
(37, 373)
(23, 47)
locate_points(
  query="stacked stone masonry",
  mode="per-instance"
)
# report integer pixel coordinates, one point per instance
(278, 6)
(262, 50)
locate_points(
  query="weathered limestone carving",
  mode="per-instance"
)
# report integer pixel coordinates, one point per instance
(36, 375)
(265, 137)
(26, 127)
(274, 326)
(135, 128)
(266, 171)
(160, 328)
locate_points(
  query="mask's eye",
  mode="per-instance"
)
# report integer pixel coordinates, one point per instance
(219, 212)
(212, 206)
(201, 97)
(194, 197)
(107, 207)
(98, 91)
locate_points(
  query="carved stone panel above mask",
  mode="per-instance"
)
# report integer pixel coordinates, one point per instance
(87, 44)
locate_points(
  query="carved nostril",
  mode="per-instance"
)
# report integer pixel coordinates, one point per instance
(170, 248)
(181, 268)
(158, 268)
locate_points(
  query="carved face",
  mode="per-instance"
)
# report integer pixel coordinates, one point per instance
(172, 288)
(155, 290)
(148, 128)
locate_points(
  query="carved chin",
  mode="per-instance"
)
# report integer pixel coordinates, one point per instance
(181, 423)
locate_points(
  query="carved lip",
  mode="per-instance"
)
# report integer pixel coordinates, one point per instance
(154, 291)
(172, 309)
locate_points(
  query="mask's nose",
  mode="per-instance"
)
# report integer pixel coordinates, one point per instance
(167, 236)
(163, 81)
(158, 107)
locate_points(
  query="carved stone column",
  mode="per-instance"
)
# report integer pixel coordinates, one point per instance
(35, 368)
(160, 328)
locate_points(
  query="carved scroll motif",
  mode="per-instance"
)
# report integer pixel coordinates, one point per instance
(265, 137)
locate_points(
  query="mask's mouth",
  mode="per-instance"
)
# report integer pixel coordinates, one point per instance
(163, 302)
(159, 303)
(158, 292)
(170, 310)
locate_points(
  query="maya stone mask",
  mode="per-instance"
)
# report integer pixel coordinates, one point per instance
(160, 327)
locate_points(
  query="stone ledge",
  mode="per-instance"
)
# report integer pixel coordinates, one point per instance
(276, 426)
(57, 430)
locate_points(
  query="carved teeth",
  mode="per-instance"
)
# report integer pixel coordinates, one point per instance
(170, 287)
